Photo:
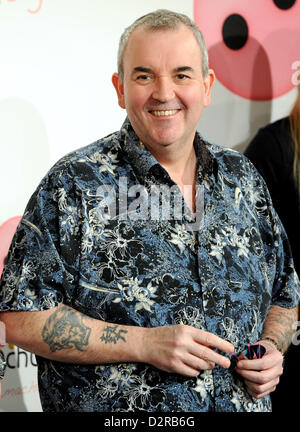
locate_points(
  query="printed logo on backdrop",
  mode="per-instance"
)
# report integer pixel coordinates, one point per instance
(296, 75)
(33, 6)
(17, 359)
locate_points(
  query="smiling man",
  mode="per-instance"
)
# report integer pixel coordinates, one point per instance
(164, 95)
(134, 313)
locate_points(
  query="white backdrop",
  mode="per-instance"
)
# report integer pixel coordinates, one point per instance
(56, 62)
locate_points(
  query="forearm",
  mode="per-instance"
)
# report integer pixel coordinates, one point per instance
(66, 335)
(278, 326)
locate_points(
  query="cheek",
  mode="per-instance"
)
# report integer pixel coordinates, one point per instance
(135, 98)
(193, 98)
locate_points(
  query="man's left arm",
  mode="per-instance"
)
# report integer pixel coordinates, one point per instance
(262, 376)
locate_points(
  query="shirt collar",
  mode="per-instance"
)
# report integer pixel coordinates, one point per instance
(143, 161)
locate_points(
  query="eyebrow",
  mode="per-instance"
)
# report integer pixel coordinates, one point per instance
(149, 70)
(142, 69)
(184, 69)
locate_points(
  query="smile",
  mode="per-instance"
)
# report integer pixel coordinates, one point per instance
(164, 113)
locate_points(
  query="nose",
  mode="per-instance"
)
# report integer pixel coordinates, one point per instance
(163, 90)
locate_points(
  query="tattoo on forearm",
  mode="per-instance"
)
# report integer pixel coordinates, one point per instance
(280, 326)
(65, 329)
(111, 334)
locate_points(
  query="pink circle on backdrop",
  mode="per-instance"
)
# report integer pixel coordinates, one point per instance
(262, 68)
(7, 231)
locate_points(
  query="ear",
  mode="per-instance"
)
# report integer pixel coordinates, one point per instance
(208, 84)
(119, 87)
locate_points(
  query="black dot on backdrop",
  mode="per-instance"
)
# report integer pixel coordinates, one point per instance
(284, 4)
(235, 32)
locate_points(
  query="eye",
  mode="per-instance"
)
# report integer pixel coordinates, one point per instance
(143, 77)
(181, 77)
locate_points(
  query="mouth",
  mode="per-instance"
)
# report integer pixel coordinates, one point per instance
(164, 113)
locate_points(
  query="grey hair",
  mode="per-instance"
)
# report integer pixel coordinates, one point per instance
(162, 19)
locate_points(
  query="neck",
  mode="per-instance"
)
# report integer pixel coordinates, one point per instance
(181, 169)
(183, 173)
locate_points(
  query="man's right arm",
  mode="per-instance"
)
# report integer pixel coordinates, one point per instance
(66, 335)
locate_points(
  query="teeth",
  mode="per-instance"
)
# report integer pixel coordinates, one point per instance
(164, 113)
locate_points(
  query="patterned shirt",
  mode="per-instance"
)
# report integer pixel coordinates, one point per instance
(87, 241)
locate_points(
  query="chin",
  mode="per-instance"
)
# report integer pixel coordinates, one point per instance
(165, 141)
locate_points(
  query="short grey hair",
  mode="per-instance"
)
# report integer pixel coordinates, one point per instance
(162, 19)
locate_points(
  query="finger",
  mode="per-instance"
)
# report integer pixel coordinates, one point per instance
(192, 368)
(257, 365)
(211, 340)
(262, 377)
(261, 388)
(198, 363)
(186, 370)
(261, 395)
(186, 364)
(210, 356)
(259, 391)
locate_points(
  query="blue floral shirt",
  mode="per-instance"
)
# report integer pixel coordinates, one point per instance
(84, 241)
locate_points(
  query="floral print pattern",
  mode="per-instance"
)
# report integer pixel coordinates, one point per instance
(139, 271)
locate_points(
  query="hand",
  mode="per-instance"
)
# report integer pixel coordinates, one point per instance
(262, 376)
(184, 349)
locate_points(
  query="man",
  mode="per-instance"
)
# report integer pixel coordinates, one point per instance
(128, 310)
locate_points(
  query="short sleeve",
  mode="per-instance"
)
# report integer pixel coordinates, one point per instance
(42, 264)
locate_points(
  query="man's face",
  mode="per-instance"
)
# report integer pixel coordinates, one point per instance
(163, 89)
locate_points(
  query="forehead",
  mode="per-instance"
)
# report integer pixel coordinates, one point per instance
(152, 46)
